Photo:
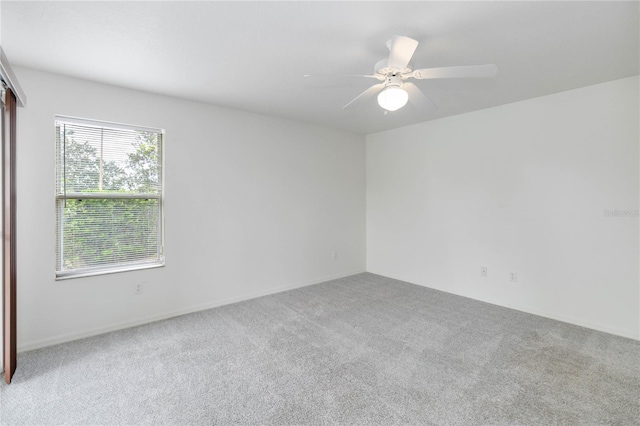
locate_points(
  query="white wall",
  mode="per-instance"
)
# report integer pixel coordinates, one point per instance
(521, 187)
(257, 204)
(253, 205)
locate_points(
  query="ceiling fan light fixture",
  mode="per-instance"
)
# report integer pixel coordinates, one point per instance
(393, 98)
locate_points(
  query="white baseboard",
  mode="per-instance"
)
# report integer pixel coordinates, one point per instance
(68, 337)
(558, 317)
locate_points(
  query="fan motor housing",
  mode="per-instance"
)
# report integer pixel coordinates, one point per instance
(382, 68)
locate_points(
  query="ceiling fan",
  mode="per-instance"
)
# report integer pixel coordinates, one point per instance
(395, 72)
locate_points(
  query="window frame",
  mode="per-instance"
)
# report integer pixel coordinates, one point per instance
(60, 273)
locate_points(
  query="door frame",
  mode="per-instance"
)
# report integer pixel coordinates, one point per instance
(9, 275)
(13, 97)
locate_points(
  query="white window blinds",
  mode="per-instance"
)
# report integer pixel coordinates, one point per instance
(108, 197)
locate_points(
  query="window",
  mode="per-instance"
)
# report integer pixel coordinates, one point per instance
(109, 202)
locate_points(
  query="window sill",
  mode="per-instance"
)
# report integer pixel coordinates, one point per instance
(66, 275)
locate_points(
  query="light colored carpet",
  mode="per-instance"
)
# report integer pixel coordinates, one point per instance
(358, 350)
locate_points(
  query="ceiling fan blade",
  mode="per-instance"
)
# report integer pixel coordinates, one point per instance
(370, 92)
(400, 51)
(472, 71)
(417, 96)
(377, 77)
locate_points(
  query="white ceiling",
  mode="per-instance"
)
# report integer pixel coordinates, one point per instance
(252, 55)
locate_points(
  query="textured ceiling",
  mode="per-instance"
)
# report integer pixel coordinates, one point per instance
(252, 56)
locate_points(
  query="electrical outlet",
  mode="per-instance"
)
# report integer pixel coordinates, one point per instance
(513, 277)
(334, 255)
(138, 287)
(483, 271)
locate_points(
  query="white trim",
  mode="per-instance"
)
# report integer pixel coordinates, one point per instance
(103, 270)
(10, 79)
(562, 318)
(68, 337)
(105, 124)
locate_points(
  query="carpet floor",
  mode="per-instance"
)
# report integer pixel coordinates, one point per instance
(358, 350)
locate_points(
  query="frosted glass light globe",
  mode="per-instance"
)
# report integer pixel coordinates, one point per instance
(393, 98)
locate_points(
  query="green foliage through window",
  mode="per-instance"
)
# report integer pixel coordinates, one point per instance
(109, 197)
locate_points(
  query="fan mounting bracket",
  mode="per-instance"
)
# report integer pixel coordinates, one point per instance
(393, 80)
